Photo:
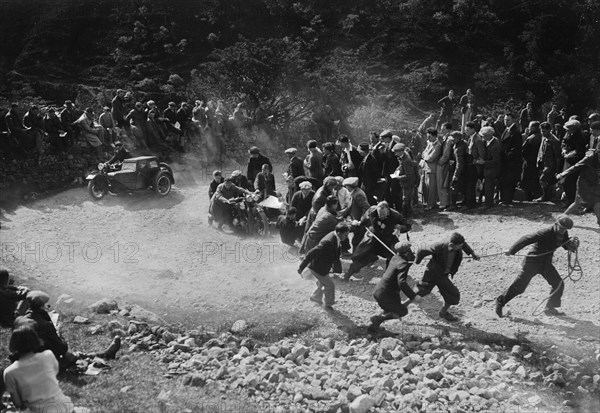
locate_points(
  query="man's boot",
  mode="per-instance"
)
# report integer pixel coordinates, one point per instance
(376, 321)
(112, 349)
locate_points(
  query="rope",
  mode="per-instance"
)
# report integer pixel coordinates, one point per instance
(573, 265)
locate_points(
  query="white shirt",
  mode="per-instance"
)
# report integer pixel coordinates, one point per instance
(33, 379)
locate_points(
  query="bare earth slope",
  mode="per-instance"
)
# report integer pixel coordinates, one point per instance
(162, 255)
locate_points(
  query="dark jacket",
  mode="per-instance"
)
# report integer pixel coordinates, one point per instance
(492, 158)
(512, 144)
(212, 188)
(384, 228)
(332, 165)
(573, 147)
(296, 167)
(118, 108)
(321, 258)
(457, 171)
(437, 265)
(356, 159)
(358, 206)
(544, 241)
(394, 279)
(9, 297)
(370, 172)
(265, 184)
(47, 332)
(120, 156)
(550, 156)
(255, 166)
(302, 204)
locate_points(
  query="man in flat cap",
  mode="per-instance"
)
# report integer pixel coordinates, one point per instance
(370, 170)
(359, 204)
(383, 224)
(407, 175)
(302, 202)
(446, 257)
(295, 167)
(539, 261)
(255, 163)
(392, 282)
(240, 180)
(588, 184)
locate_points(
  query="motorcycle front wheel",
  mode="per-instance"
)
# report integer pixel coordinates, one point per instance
(259, 224)
(98, 188)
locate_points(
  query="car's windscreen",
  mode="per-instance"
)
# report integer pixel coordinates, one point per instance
(128, 166)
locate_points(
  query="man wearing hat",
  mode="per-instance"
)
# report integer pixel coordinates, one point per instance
(255, 163)
(216, 181)
(549, 160)
(118, 109)
(370, 171)
(383, 222)
(240, 180)
(331, 160)
(511, 142)
(594, 138)
(392, 282)
(320, 198)
(319, 261)
(588, 184)
(573, 150)
(38, 317)
(359, 204)
(407, 175)
(221, 208)
(294, 170)
(120, 155)
(446, 257)
(295, 167)
(302, 202)
(539, 261)
(107, 122)
(350, 158)
(491, 162)
(92, 134)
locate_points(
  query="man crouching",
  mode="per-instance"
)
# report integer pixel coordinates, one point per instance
(445, 260)
(387, 290)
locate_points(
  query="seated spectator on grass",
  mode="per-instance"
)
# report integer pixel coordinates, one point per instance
(31, 378)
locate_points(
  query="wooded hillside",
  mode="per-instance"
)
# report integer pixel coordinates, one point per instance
(296, 54)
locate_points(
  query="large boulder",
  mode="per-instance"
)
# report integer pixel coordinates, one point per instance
(104, 306)
(140, 313)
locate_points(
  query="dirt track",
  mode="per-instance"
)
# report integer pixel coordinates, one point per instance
(161, 254)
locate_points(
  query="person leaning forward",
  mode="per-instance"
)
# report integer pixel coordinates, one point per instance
(318, 262)
(392, 282)
(539, 261)
(446, 258)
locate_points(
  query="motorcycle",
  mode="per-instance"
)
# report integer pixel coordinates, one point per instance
(248, 217)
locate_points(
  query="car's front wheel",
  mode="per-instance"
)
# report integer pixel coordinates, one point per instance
(162, 184)
(98, 187)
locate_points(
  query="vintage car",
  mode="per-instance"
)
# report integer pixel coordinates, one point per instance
(135, 174)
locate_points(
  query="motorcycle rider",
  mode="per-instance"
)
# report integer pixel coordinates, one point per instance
(222, 202)
(120, 155)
